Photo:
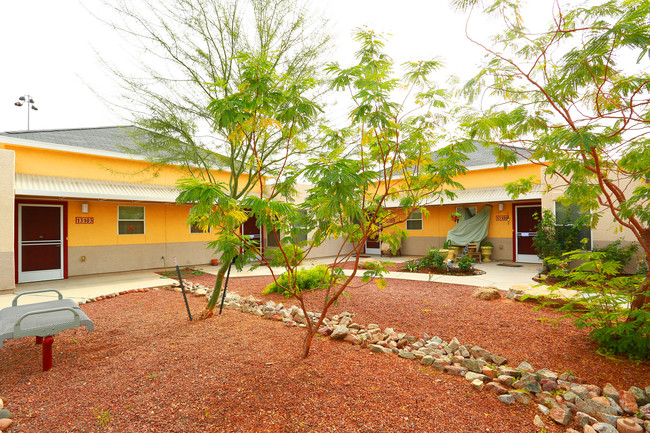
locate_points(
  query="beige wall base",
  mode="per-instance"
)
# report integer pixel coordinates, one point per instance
(418, 246)
(116, 258)
(330, 248)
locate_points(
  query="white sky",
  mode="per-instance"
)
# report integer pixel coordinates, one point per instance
(48, 51)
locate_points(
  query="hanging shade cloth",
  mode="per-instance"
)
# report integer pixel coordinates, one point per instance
(473, 229)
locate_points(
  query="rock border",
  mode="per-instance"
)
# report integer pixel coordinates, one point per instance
(561, 398)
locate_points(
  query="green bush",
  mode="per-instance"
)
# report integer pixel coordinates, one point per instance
(553, 240)
(305, 279)
(465, 263)
(294, 255)
(412, 265)
(614, 252)
(434, 259)
(605, 303)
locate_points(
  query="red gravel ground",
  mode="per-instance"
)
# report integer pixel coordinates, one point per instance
(146, 368)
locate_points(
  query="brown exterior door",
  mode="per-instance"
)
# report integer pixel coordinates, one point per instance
(40, 242)
(250, 229)
(525, 233)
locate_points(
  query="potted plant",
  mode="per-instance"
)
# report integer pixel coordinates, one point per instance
(454, 250)
(486, 251)
(455, 216)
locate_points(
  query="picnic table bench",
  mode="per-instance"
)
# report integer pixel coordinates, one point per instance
(42, 320)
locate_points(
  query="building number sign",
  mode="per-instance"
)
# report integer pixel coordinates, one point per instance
(503, 217)
(85, 220)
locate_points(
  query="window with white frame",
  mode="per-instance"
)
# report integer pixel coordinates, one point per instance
(566, 218)
(194, 228)
(414, 221)
(130, 220)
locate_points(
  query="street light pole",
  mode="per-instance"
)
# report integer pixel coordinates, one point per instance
(30, 105)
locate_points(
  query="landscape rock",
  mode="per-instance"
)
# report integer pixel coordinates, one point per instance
(528, 384)
(561, 415)
(489, 372)
(543, 409)
(4, 413)
(521, 397)
(478, 384)
(589, 429)
(379, 349)
(507, 399)
(640, 396)
(454, 370)
(537, 422)
(506, 380)
(525, 366)
(5, 423)
(487, 293)
(339, 332)
(627, 401)
(496, 388)
(602, 427)
(515, 292)
(627, 425)
(583, 419)
(475, 365)
(406, 355)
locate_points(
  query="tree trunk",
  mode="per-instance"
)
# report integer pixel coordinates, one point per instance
(306, 344)
(208, 311)
(642, 297)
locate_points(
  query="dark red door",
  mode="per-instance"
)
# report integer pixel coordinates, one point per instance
(525, 232)
(250, 229)
(41, 243)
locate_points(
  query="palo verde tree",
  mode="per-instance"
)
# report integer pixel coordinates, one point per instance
(369, 177)
(222, 85)
(576, 100)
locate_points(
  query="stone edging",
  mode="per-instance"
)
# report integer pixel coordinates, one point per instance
(562, 398)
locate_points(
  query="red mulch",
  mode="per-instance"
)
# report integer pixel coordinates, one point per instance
(520, 331)
(146, 368)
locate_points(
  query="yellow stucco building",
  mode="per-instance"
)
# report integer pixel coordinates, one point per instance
(76, 203)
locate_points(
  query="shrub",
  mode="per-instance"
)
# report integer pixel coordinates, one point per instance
(294, 255)
(553, 240)
(412, 265)
(317, 277)
(465, 263)
(434, 259)
(605, 304)
(615, 253)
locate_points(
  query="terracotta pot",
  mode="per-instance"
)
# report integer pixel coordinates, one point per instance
(214, 262)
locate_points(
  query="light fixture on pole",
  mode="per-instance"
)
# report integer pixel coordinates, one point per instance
(30, 105)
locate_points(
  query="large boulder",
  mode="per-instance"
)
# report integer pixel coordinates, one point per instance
(487, 293)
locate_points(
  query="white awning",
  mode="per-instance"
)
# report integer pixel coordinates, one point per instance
(66, 187)
(493, 194)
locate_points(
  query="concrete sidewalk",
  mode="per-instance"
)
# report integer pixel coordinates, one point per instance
(82, 288)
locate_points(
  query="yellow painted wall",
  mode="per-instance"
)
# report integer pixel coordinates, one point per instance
(497, 176)
(164, 223)
(439, 221)
(70, 164)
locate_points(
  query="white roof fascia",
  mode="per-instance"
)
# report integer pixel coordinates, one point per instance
(67, 148)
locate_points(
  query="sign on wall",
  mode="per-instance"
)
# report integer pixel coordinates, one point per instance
(85, 220)
(503, 217)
